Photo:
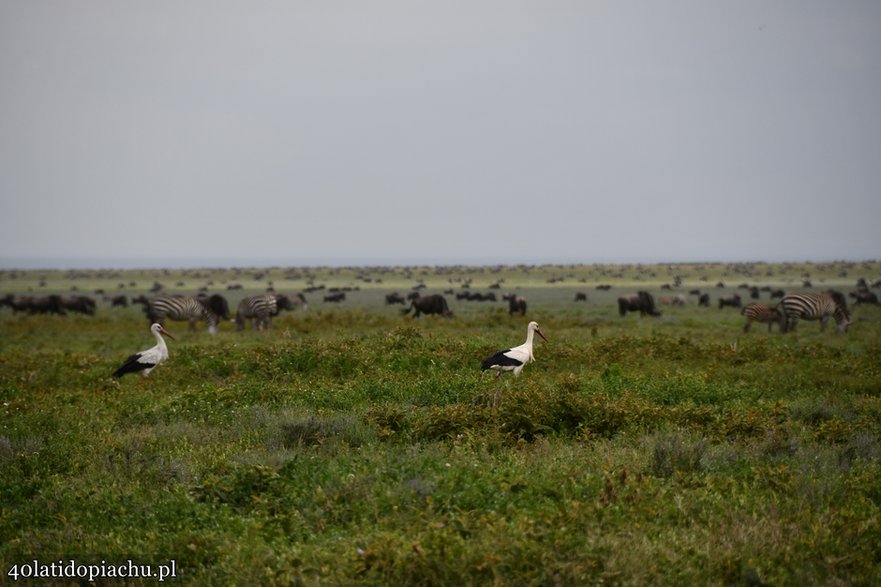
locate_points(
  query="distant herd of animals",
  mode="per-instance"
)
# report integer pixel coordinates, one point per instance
(260, 309)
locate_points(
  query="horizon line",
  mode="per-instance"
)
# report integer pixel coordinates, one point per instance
(129, 263)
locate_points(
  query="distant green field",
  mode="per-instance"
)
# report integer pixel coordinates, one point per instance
(352, 445)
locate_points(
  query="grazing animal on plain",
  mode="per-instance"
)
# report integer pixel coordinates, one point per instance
(120, 301)
(142, 300)
(293, 300)
(145, 361)
(475, 296)
(394, 298)
(641, 301)
(79, 304)
(188, 308)
(704, 300)
(513, 360)
(763, 313)
(733, 300)
(433, 304)
(17, 303)
(515, 304)
(9, 300)
(837, 297)
(260, 310)
(677, 300)
(580, 296)
(864, 297)
(52, 304)
(335, 297)
(813, 306)
(777, 293)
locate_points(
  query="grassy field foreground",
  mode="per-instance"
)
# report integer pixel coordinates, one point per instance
(350, 446)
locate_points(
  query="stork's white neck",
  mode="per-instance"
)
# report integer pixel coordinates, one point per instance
(160, 342)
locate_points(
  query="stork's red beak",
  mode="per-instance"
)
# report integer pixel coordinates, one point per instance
(541, 334)
(166, 333)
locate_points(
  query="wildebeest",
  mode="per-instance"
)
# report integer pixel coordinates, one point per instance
(80, 304)
(215, 303)
(864, 297)
(433, 304)
(641, 301)
(8, 300)
(762, 313)
(394, 298)
(580, 296)
(120, 301)
(52, 304)
(704, 300)
(677, 300)
(291, 301)
(475, 296)
(336, 297)
(733, 300)
(515, 304)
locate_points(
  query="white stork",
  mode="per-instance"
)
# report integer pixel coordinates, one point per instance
(514, 359)
(146, 361)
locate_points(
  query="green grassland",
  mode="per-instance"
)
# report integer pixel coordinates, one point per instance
(352, 445)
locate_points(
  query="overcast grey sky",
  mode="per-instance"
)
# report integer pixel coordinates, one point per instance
(440, 132)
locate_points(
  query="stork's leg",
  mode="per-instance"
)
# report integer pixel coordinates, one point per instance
(497, 396)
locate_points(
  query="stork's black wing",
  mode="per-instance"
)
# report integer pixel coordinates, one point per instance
(500, 359)
(132, 365)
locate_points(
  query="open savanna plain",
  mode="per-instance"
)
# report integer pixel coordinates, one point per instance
(354, 445)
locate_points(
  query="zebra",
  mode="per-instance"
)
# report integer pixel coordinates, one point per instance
(261, 309)
(190, 308)
(515, 304)
(761, 313)
(814, 306)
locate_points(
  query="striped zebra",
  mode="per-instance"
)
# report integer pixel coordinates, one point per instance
(814, 306)
(761, 313)
(190, 308)
(261, 309)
